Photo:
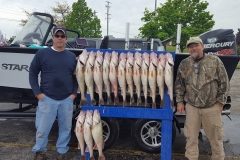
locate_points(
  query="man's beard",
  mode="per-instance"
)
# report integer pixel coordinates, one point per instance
(195, 56)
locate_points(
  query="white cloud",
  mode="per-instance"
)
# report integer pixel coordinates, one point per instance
(225, 13)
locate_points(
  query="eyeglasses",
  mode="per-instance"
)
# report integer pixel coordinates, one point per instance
(57, 36)
(196, 68)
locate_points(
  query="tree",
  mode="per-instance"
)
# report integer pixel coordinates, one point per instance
(238, 41)
(162, 23)
(83, 20)
(59, 14)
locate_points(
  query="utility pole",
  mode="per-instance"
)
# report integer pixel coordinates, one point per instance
(155, 5)
(95, 14)
(108, 15)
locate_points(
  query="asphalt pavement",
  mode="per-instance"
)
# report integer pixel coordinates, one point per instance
(17, 137)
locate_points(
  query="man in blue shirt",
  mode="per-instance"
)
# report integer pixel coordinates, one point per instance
(56, 92)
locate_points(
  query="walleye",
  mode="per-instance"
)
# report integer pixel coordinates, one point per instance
(122, 76)
(97, 133)
(169, 75)
(137, 75)
(129, 75)
(144, 75)
(89, 77)
(113, 76)
(152, 77)
(98, 76)
(106, 81)
(160, 76)
(88, 133)
(79, 133)
(80, 69)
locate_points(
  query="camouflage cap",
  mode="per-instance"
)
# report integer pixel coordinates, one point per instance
(194, 40)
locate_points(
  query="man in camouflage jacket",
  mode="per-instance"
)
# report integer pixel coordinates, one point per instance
(202, 83)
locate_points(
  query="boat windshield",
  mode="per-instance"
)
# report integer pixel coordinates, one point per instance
(33, 32)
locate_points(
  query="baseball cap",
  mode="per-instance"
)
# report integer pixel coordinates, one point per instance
(59, 28)
(196, 40)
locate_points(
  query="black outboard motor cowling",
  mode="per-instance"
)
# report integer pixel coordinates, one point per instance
(219, 42)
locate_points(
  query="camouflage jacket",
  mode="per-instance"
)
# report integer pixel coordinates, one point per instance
(202, 85)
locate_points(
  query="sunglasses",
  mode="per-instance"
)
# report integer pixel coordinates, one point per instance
(196, 68)
(57, 36)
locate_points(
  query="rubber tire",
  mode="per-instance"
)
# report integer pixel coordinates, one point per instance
(136, 135)
(114, 132)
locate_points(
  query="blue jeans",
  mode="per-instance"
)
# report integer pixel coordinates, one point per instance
(47, 111)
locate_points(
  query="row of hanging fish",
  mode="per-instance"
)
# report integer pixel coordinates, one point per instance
(127, 71)
(89, 130)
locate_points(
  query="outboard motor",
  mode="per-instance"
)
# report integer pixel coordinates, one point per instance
(219, 42)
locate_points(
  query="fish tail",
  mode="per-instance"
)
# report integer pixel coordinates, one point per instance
(101, 102)
(116, 100)
(146, 102)
(109, 100)
(132, 100)
(83, 102)
(83, 157)
(101, 157)
(139, 101)
(93, 102)
(162, 103)
(154, 105)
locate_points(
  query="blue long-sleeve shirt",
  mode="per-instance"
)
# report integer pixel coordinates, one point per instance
(57, 79)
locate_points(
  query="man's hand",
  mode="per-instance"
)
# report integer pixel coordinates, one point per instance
(219, 106)
(180, 109)
(40, 96)
(73, 96)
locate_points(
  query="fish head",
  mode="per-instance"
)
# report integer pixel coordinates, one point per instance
(88, 118)
(107, 58)
(169, 59)
(99, 58)
(130, 59)
(146, 58)
(83, 57)
(161, 60)
(81, 117)
(138, 61)
(91, 59)
(153, 59)
(96, 117)
(122, 60)
(114, 58)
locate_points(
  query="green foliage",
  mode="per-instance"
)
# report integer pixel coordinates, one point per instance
(60, 13)
(82, 19)
(162, 23)
(10, 40)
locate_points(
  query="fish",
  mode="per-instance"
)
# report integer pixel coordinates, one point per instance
(152, 77)
(80, 70)
(122, 76)
(168, 74)
(129, 75)
(106, 81)
(98, 76)
(88, 132)
(89, 76)
(160, 77)
(113, 75)
(97, 134)
(79, 130)
(137, 75)
(144, 75)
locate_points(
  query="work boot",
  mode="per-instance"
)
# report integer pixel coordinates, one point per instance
(40, 156)
(61, 157)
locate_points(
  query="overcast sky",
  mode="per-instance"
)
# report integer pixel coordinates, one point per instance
(226, 14)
